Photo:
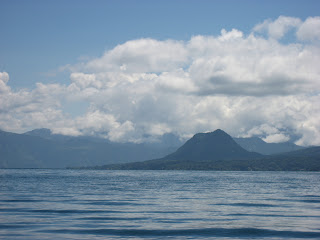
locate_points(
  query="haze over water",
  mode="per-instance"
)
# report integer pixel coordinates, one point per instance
(86, 204)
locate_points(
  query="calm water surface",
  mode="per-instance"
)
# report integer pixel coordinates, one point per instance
(87, 204)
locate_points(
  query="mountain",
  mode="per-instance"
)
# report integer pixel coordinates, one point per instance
(40, 132)
(307, 159)
(199, 151)
(218, 151)
(18, 151)
(255, 144)
(216, 145)
(42, 149)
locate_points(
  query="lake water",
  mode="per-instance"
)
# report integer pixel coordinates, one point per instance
(88, 204)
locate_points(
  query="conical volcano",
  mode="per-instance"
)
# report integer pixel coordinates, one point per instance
(217, 145)
(218, 151)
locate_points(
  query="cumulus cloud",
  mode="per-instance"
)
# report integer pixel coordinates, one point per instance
(25, 109)
(4, 78)
(252, 66)
(278, 28)
(248, 85)
(268, 133)
(309, 30)
(142, 55)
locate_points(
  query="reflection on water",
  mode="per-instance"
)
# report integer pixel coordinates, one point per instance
(87, 204)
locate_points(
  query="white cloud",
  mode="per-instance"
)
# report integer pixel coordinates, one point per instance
(82, 80)
(176, 81)
(142, 55)
(268, 133)
(252, 66)
(247, 85)
(278, 28)
(233, 34)
(276, 138)
(69, 131)
(309, 30)
(4, 78)
(25, 109)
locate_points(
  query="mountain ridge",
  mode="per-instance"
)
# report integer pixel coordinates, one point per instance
(30, 150)
(40, 148)
(190, 157)
(251, 144)
(256, 144)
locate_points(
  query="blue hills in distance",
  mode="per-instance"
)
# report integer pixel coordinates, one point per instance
(204, 151)
(40, 148)
(255, 144)
(251, 144)
(219, 151)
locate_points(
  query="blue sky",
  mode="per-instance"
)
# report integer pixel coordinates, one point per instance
(135, 70)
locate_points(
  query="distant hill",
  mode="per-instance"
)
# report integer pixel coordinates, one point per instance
(216, 145)
(21, 151)
(218, 151)
(255, 144)
(42, 149)
(40, 132)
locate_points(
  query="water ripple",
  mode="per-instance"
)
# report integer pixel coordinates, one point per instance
(208, 232)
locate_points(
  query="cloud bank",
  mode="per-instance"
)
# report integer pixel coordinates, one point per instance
(248, 85)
